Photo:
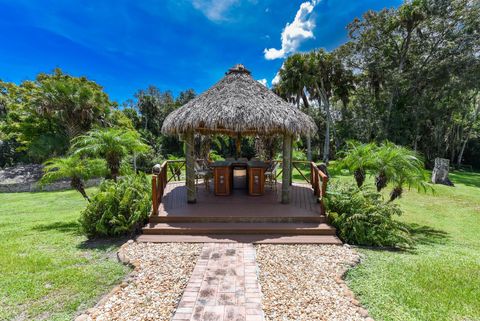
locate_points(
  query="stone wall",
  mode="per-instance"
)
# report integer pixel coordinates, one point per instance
(24, 178)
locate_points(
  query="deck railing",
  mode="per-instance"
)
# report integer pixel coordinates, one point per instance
(172, 170)
(159, 182)
(319, 181)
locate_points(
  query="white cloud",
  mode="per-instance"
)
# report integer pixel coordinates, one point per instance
(300, 29)
(276, 79)
(214, 10)
(263, 81)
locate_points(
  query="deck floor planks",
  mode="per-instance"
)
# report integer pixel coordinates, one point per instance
(239, 203)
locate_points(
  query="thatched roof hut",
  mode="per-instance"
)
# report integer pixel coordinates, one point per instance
(238, 105)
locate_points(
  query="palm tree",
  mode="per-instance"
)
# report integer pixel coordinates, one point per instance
(359, 159)
(327, 77)
(110, 144)
(74, 167)
(405, 168)
(293, 82)
(76, 102)
(387, 157)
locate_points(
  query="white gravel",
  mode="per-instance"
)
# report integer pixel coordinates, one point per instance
(153, 289)
(303, 283)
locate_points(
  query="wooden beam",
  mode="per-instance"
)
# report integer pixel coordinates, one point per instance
(154, 195)
(304, 177)
(291, 162)
(238, 146)
(286, 168)
(190, 170)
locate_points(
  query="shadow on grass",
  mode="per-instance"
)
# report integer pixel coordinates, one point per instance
(421, 235)
(64, 227)
(103, 244)
(466, 178)
(426, 235)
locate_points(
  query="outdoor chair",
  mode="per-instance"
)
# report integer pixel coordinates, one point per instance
(203, 172)
(271, 175)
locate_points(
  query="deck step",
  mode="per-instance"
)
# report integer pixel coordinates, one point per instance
(239, 228)
(238, 219)
(241, 238)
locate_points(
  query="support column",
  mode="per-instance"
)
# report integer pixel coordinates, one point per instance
(291, 162)
(287, 167)
(238, 146)
(190, 167)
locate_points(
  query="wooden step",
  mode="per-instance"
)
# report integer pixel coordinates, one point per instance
(239, 228)
(238, 219)
(241, 238)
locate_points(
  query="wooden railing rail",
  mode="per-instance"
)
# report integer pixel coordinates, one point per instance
(159, 182)
(295, 165)
(319, 181)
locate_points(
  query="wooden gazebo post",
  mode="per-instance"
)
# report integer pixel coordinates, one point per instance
(287, 167)
(190, 167)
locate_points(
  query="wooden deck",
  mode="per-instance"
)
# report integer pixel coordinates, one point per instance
(239, 217)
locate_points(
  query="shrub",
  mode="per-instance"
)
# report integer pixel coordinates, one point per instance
(362, 217)
(119, 208)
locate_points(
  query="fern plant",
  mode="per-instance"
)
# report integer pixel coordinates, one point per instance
(362, 217)
(119, 208)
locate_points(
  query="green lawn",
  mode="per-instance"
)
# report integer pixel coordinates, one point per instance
(47, 269)
(440, 279)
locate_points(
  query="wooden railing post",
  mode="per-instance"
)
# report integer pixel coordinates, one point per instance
(154, 195)
(311, 174)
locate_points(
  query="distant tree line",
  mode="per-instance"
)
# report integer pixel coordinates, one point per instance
(408, 75)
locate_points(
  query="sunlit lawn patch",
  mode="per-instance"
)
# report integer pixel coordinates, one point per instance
(47, 269)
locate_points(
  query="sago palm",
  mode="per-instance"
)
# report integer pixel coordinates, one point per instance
(110, 144)
(358, 159)
(406, 168)
(75, 168)
(386, 159)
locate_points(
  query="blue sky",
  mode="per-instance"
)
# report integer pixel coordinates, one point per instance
(175, 45)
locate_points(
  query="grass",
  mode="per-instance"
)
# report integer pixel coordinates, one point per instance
(440, 278)
(48, 271)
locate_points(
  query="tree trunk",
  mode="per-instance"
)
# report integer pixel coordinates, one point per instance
(73, 129)
(77, 184)
(309, 138)
(114, 166)
(326, 143)
(309, 148)
(135, 162)
(467, 136)
(326, 103)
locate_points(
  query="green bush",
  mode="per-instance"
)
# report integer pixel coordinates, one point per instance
(362, 217)
(118, 208)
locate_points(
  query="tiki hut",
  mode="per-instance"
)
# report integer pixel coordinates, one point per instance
(238, 105)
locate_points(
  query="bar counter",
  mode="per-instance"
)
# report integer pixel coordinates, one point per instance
(224, 180)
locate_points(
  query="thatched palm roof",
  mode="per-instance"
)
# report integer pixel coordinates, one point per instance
(238, 104)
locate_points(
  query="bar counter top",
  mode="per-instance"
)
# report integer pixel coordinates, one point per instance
(250, 164)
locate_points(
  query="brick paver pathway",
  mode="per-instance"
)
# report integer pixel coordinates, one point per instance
(223, 286)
